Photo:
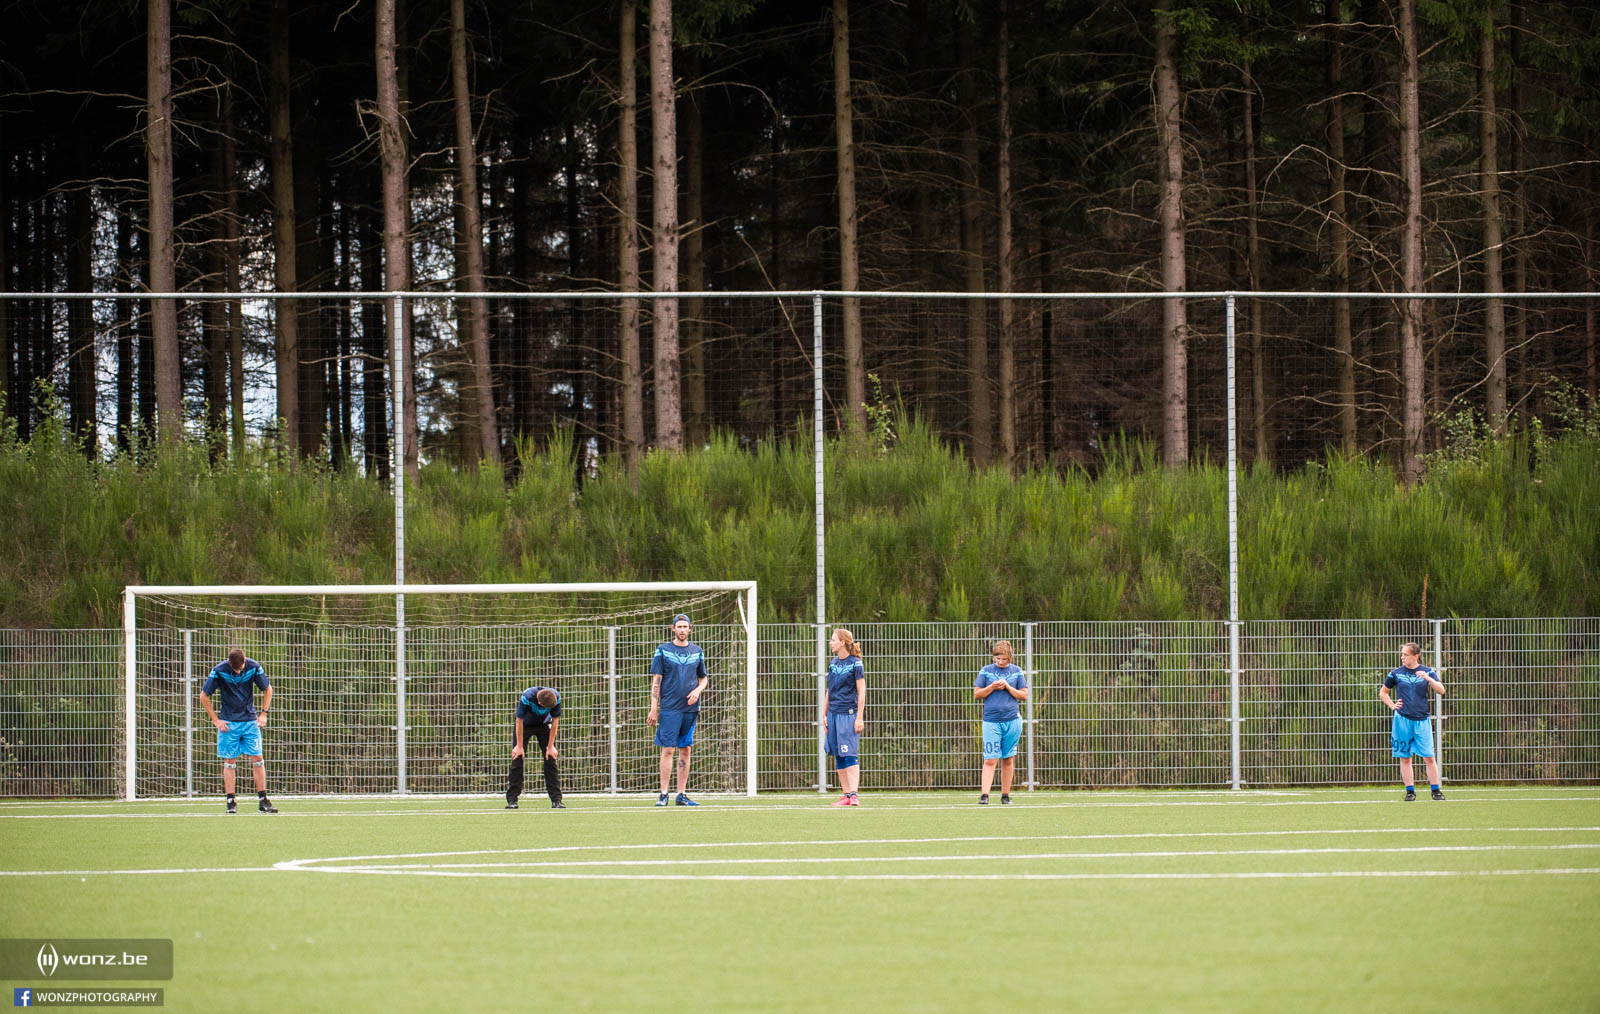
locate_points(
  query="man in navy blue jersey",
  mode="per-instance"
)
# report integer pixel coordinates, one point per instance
(677, 679)
(538, 716)
(239, 725)
(1410, 735)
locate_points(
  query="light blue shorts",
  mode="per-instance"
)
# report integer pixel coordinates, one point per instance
(240, 739)
(844, 743)
(1411, 737)
(1000, 739)
(675, 730)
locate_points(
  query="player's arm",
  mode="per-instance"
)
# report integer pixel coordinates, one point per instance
(861, 703)
(550, 744)
(211, 712)
(984, 691)
(516, 743)
(655, 697)
(1437, 686)
(1388, 702)
(1020, 693)
(699, 688)
(266, 705)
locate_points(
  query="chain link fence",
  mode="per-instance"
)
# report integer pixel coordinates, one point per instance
(1111, 704)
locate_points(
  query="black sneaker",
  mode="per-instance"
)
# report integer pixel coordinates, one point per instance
(1005, 799)
(233, 806)
(1438, 794)
(265, 806)
(511, 804)
(1411, 795)
(983, 800)
(556, 804)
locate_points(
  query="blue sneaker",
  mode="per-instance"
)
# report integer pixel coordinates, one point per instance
(684, 800)
(661, 800)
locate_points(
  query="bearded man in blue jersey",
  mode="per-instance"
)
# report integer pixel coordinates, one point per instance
(677, 679)
(1410, 735)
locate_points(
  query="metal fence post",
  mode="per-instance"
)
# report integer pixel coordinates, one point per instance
(398, 470)
(188, 714)
(1235, 781)
(822, 708)
(1438, 699)
(1027, 702)
(611, 693)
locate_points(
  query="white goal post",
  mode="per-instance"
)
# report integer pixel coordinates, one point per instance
(471, 633)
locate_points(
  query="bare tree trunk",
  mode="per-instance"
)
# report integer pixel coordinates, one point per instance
(664, 264)
(855, 372)
(215, 311)
(1519, 216)
(374, 354)
(628, 242)
(1004, 252)
(1339, 233)
(1590, 252)
(471, 241)
(1174, 314)
(230, 261)
(391, 143)
(696, 426)
(1494, 328)
(126, 311)
(80, 313)
(1258, 354)
(980, 411)
(1411, 362)
(286, 314)
(6, 407)
(158, 150)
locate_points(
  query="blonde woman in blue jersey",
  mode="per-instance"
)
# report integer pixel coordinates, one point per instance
(845, 718)
(1410, 734)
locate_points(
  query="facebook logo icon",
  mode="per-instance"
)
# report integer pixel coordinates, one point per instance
(21, 997)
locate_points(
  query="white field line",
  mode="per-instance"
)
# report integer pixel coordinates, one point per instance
(973, 857)
(639, 806)
(1311, 875)
(317, 864)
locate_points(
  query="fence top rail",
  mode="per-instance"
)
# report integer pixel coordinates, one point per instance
(434, 589)
(792, 294)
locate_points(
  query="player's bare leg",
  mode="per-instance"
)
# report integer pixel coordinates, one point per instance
(1431, 764)
(683, 770)
(1406, 771)
(258, 772)
(228, 776)
(850, 779)
(666, 769)
(1008, 771)
(988, 774)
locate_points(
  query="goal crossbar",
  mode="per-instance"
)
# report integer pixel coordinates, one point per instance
(747, 599)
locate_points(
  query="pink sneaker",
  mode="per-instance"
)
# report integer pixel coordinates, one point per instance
(841, 801)
(854, 800)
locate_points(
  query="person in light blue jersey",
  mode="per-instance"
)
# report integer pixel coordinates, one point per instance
(1000, 685)
(538, 717)
(846, 715)
(1410, 734)
(677, 679)
(239, 725)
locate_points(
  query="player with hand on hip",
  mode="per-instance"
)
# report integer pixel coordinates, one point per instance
(846, 714)
(1410, 734)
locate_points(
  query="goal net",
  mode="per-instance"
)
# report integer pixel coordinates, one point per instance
(413, 688)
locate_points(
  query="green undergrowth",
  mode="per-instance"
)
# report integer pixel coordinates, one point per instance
(1501, 526)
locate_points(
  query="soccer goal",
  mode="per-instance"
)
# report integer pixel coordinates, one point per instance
(412, 688)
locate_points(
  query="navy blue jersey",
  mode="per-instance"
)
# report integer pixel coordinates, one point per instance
(1412, 690)
(1000, 706)
(680, 669)
(236, 702)
(842, 676)
(528, 707)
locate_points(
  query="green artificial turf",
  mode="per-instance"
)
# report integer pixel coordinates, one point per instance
(1132, 901)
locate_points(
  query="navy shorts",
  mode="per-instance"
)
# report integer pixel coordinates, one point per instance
(676, 729)
(844, 743)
